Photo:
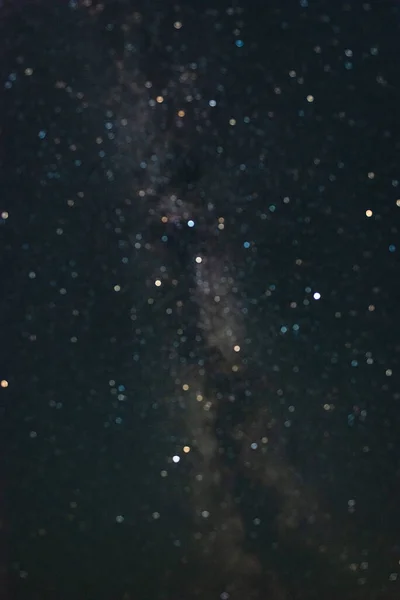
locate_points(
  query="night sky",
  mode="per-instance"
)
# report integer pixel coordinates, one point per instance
(199, 368)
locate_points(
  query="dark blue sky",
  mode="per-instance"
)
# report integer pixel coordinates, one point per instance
(200, 208)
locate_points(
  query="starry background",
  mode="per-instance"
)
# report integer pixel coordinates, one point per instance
(293, 131)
